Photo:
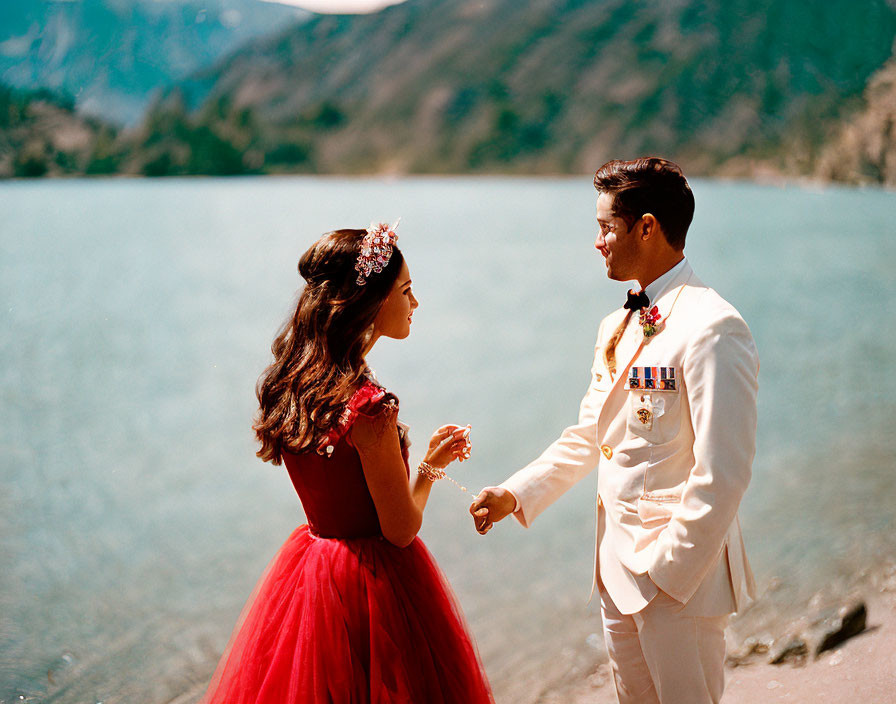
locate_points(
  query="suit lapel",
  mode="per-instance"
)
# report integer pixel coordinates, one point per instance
(665, 303)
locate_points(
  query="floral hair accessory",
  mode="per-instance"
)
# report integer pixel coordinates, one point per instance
(376, 250)
(651, 321)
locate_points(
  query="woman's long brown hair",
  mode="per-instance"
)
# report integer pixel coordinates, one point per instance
(319, 352)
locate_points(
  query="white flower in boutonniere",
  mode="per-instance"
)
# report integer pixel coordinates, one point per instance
(651, 321)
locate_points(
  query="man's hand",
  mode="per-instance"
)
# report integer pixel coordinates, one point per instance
(491, 505)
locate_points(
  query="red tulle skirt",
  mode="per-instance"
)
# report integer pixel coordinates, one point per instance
(350, 621)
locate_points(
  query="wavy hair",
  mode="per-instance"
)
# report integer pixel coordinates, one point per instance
(319, 351)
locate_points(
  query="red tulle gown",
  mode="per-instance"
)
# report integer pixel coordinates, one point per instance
(342, 616)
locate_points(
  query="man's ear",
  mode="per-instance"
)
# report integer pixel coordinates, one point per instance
(649, 226)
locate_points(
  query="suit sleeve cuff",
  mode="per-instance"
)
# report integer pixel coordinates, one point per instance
(519, 512)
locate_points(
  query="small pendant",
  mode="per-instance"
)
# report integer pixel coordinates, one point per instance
(644, 411)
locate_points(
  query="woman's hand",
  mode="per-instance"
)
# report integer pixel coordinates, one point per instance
(448, 443)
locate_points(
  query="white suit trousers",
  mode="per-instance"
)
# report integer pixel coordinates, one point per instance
(659, 656)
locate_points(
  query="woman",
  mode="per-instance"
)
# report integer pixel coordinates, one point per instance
(352, 608)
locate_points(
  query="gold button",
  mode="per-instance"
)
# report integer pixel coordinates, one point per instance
(607, 450)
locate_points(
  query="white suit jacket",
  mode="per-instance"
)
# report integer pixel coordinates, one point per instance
(673, 462)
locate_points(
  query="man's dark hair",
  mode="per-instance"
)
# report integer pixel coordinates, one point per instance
(649, 185)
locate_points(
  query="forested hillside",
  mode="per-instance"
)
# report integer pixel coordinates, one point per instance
(503, 85)
(726, 87)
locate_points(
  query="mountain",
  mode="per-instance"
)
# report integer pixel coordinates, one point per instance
(42, 135)
(113, 56)
(724, 86)
(864, 150)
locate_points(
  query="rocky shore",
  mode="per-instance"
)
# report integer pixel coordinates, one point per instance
(861, 668)
(837, 651)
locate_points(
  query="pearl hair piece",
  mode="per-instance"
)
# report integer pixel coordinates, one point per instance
(376, 250)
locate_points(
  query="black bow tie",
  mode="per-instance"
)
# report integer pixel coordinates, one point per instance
(637, 301)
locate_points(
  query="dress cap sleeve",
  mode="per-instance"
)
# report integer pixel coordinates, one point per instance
(369, 400)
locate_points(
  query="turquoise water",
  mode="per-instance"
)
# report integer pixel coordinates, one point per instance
(137, 316)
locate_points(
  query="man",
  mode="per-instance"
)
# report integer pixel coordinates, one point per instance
(669, 419)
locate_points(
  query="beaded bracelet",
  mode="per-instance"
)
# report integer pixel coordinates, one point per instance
(427, 470)
(430, 472)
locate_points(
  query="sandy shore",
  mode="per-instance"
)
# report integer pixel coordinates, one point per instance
(861, 670)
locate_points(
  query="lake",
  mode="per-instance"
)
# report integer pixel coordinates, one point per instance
(138, 314)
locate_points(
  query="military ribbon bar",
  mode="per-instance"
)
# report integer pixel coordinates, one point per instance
(652, 378)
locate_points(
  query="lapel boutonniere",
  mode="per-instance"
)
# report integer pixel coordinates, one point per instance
(651, 321)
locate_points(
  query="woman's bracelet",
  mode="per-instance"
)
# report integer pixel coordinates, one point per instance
(427, 470)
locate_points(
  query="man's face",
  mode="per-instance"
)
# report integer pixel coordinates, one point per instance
(616, 241)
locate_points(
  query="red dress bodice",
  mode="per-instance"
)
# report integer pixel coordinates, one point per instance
(331, 484)
(334, 492)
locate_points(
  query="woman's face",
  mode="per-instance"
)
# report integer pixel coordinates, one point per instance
(394, 318)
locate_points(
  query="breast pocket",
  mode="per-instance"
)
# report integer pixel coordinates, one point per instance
(653, 407)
